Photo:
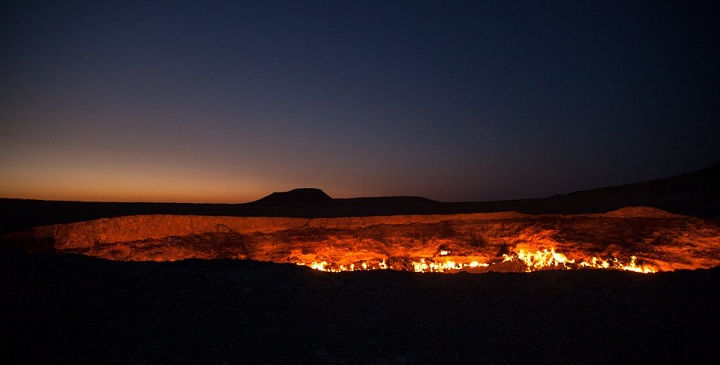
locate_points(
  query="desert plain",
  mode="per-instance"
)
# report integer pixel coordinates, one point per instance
(143, 283)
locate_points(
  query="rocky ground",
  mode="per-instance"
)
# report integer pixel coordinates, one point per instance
(658, 240)
(77, 309)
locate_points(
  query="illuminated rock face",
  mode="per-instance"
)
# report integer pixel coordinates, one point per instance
(473, 242)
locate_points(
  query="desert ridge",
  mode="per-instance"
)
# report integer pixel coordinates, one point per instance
(694, 194)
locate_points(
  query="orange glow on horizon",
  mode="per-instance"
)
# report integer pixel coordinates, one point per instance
(133, 188)
(133, 196)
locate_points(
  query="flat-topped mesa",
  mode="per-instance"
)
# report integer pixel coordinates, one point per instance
(300, 195)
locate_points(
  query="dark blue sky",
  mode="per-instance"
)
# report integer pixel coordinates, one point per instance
(228, 101)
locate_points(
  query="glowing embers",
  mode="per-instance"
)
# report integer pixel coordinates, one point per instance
(545, 259)
(361, 266)
(549, 259)
(432, 266)
(616, 264)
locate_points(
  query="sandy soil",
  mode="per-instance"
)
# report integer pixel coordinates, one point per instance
(75, 309)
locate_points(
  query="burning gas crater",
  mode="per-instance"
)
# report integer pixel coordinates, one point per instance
(546, 259)
(635, 239)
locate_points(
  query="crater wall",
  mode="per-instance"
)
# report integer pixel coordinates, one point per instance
(654, 237)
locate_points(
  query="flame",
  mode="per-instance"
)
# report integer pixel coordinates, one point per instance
(630, 239)
(545, 259)
(616, 264)
(540, 259)
(423, 266)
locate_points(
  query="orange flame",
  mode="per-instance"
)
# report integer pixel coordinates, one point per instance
(546, 259)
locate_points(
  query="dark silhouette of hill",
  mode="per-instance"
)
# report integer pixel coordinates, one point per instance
(317, 196)
(387, 200)
(695, 193)
(301, 195)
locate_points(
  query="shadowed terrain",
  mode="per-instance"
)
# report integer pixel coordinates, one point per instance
(76, 309)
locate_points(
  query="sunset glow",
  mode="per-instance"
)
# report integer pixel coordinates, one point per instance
(453, 101)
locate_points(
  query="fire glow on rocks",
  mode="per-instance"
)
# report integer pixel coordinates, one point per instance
(546, 259)
(638, 239)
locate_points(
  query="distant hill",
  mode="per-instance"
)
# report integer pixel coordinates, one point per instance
(695, 193)
(314, 195)
(301, 195)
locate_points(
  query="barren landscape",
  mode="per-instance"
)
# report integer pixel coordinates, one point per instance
(359, 182)
(612, 282)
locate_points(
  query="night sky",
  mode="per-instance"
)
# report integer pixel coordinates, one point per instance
(208, 101)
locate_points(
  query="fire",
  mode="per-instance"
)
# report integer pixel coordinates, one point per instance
(633, 239)
(540, 259)
(548, 258)
(545, 259)
(616, 264)
(423, 266)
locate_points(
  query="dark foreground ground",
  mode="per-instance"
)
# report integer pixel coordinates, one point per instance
(73, 309)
